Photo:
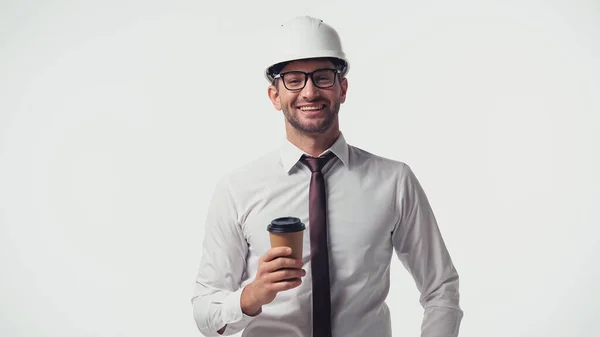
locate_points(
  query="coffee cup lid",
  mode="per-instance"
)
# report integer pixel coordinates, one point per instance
(286, 225)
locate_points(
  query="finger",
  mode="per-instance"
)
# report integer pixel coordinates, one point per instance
(281, 263)
(276, 252)
(284, 274)
(285, 285)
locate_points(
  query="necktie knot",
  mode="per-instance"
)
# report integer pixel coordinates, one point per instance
(316, 164)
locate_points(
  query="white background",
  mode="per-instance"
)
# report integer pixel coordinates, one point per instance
(111, 111)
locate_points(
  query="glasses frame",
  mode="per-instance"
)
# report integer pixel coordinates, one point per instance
(306, 76)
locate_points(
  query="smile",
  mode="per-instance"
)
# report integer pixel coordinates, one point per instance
(312, 107)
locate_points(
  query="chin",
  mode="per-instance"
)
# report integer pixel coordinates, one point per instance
(315, 129)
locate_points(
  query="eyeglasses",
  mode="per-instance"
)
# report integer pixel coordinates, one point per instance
(296, 80)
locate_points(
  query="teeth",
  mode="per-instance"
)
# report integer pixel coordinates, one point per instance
(309, 108)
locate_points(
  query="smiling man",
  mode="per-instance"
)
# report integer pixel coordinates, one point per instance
(359, 209)
(306, 92)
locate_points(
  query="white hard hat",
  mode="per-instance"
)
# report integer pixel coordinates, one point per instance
(305, 37)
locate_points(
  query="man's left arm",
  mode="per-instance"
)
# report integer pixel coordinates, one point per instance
(420, 247)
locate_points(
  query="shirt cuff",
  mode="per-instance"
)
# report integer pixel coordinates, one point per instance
(233, 313)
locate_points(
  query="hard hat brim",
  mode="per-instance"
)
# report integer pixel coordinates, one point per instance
(305, 56)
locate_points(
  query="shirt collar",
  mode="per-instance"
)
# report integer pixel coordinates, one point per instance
(291, 154)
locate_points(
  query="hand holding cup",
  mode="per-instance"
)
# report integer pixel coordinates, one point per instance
(280, 268)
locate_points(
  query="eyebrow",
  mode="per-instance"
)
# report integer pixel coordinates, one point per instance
(316, 68)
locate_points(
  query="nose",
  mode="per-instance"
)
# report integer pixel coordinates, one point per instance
(310, 91)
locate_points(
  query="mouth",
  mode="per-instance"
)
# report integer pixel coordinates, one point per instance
(311, 110)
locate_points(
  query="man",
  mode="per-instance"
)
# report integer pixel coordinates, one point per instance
(358, 209)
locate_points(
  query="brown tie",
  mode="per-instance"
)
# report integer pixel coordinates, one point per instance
(319, 256)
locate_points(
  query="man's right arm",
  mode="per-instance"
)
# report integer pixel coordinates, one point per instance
(217, 297)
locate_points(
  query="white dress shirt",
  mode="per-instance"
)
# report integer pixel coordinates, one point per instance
(375, 206)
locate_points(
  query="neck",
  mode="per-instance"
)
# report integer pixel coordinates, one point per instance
(315, 144)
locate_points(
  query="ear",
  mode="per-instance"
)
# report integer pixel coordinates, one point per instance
(344, 85)
(274, 97)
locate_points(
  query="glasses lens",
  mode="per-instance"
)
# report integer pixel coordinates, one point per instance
(294, 80)
(323, 78)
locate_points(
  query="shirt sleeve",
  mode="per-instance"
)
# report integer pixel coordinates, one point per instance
(420, 247)
(217, 292)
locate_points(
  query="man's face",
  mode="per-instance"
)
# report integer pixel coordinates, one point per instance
(311, 110)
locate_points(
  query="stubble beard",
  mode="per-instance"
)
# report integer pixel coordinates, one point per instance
(313, 128)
